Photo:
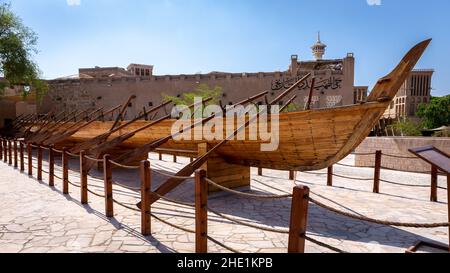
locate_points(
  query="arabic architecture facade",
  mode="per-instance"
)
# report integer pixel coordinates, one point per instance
(97, 87)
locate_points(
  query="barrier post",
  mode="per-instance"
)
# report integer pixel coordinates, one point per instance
(83, 178)
(291, 175)
(146, 187)
(434, 184)
(107, 177)
(201, 212)
(330, 176)
(51, 167)
(65, 170)
(10, 158)
(30, 159)
(260, 171)
(16, 161)
(376, 179)
(22, 157)
(1, 148)
(5, 151)
(299, 220)
(39, 166)
(160, 156)
(174, 158)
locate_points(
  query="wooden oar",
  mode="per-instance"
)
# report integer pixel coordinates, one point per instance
(122, 111)
(104, 137)
(173, 182)
(38, 135)
(56, 129)
(69, 133)
(147, 148)
(100, 149)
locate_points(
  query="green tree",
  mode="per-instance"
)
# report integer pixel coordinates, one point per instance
(17, 47)
(203, 91)
(436, 113)
(407, 128)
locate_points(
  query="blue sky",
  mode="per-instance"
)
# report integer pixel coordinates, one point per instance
(190, 36)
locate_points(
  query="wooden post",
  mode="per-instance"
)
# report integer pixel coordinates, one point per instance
(160, 156)
(10, 158)
(51, 167)
(260, 171)
(448, 208)
(291, 175)
(83, 178)
(22, 157)
(174, 158)
(1, 148)
(191, 159)
(376, 179)
(5, 151)
(299, 220)
(146, 187)
(330, 176)
(201, 212)
(16, 161)
(65, 170)
(39, 166)
(30, 159)
(434, 184)
(107, 177)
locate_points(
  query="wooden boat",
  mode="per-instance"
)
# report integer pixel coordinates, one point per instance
(309, 140)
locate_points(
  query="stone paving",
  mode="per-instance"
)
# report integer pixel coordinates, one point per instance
(37, 218)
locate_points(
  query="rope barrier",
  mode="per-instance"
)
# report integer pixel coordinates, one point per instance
(96, 194)
(93, 159)
(281, 231)
(322, 244)
(351, 166)
(127, 187)
(73, 184)
(73, 155)
(124, 166)
(192, 205)
(172, 225)
(375, 221)
(57, 151)
(249, 195)
(401, 157)
(353, 178)
(363, 154)
(172, 176)
(222, 245)
(127, 206)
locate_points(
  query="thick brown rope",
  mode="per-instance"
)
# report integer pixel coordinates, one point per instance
(375, 221)
(249, 195)
(124, 166)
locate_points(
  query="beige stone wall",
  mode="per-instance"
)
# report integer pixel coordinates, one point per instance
(334, 89)
(398, 146)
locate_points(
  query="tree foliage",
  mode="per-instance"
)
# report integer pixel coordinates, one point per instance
(17, 47)
(203, 91)
(436, 113)
(407, 128)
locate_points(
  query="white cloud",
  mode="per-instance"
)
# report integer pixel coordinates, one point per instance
(374, 2)
(73, 2)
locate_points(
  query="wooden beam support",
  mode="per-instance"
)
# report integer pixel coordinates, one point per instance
(83, 178)
(330, 176)
(434, 184)
(146, 185)
(39, 163)
(201, 212)
(107, 177)
(30, 159)
(376, 179)
(22, 157)
(51, 166)
(65, 170)
(299, 219)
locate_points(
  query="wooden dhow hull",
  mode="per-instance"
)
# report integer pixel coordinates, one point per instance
(308, 140)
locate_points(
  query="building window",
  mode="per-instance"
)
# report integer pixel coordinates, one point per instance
(142, 72)
(136, 72)
(147, 72)
(150, 104)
